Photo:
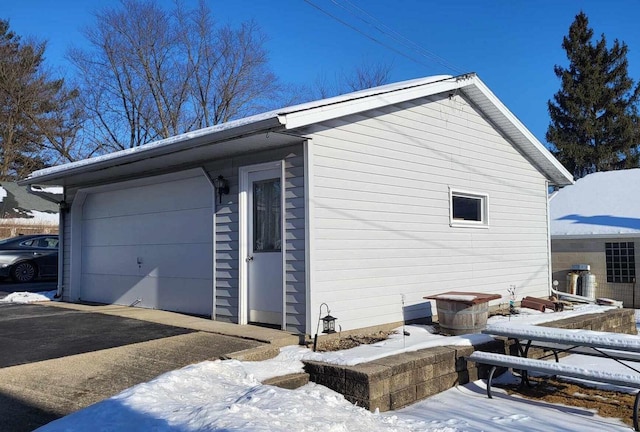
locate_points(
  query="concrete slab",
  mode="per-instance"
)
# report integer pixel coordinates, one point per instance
(273, 337)
(59, 357)
(31, 333)
(34, 394)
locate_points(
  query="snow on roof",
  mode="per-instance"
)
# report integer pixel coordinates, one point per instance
(599, 204)
(53, 190)
(235, 124)
(301, 115)
(18, 206)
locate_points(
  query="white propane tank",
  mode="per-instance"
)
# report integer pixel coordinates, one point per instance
(572, 282)
(589, 285)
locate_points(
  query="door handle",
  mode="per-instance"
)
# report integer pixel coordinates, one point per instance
(249, 258)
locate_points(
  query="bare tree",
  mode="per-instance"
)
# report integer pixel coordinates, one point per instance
(153, 73)
(367, 75)
(363, 76)
(35, 114)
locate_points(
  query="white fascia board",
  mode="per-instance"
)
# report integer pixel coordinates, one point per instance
(306, 117)
(562, 176)
(209, 136)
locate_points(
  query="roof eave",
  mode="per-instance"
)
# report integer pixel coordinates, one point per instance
(306, 117)
(168, 146)
(555, 172)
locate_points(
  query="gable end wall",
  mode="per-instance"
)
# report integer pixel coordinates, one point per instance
(381, 212)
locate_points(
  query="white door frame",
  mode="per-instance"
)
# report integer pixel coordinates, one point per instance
(243, 253)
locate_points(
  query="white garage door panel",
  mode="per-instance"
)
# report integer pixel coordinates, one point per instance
(185, 226)
(167, 196)
(178, 295)
(151, 245)
(179, 260)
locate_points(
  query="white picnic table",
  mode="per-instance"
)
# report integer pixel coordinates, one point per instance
(621, 348)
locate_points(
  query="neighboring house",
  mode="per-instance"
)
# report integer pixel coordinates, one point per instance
(596, 221)
(23, 212)
(367, 202)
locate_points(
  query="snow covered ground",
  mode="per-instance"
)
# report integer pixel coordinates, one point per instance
(227, 395)
(28, 297)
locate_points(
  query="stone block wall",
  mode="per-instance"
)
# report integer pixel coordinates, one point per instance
(396, 381)
(614, 321)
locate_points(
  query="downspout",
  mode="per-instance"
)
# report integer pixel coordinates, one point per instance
(214, 263)
(62, 210)
(549, 258)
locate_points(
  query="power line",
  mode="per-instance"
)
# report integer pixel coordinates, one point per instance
(398, 37)
(388, 32)
(364, 34)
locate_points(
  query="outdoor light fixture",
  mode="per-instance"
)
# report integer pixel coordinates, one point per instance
(328, 324)
(222, 186)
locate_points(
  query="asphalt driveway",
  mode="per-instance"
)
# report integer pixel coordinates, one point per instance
(54, 361)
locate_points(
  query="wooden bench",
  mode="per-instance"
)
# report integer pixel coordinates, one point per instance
(554, 368)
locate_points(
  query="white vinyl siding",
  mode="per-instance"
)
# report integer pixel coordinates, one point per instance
(381, 212)
(227, 237)
(66, 246)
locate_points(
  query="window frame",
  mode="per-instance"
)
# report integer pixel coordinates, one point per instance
(484, 209)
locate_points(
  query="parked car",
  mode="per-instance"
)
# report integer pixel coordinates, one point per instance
(28, 257)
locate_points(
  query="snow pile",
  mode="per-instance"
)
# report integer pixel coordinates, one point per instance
(28, 297)
(225, 395)
(3, 193)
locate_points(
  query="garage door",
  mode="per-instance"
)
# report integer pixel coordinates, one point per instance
(150, 246)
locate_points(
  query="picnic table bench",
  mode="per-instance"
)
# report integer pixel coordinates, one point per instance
(615, 346)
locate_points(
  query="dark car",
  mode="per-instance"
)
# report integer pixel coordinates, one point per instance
(28, 257)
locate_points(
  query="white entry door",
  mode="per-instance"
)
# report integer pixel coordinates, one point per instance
(264, 247)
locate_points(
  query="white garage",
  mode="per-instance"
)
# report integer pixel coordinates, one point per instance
(147, 243)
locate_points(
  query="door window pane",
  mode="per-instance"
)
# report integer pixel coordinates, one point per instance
(266, 216)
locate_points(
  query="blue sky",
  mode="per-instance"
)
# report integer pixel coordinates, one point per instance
(512, 45)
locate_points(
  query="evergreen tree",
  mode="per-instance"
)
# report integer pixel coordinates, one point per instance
(594, 115)
(36, 115)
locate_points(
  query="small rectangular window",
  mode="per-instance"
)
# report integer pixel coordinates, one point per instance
(621, 262)
(468, 209)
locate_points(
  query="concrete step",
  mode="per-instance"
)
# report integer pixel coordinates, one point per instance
(291, 381)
